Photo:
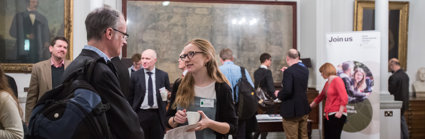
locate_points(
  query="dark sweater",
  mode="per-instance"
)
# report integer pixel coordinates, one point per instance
(56, 75)
(398, 85)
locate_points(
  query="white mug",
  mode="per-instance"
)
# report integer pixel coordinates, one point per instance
(192, 117)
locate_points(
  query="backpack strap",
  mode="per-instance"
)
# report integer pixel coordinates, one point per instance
(243, 73)
(237, 84)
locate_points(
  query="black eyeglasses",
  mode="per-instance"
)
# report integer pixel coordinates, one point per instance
(125, 34)
(189, 55)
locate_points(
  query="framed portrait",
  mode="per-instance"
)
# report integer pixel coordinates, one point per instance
(248, 28)
(364, 19)
(26, 29)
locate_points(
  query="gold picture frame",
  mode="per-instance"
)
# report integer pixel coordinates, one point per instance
(67, 30)
(398, 16)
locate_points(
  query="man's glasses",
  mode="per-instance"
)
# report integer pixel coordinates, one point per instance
(125, 34)
(189, 55)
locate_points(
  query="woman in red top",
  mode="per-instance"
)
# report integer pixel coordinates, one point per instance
(336, 101)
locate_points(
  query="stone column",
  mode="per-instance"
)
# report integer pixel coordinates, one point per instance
(381, 25)
(389, 109)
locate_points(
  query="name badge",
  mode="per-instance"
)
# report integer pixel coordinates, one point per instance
(209, 103)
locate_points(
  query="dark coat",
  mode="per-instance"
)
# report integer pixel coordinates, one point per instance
(138, 91)
(123, 121)
(123, 76)
(398, 85)
(264, 79)
(225, 111)
(294, 92)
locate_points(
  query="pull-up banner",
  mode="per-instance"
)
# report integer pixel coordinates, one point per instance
(356, 56)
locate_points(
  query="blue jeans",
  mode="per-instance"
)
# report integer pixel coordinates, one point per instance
(404, 128)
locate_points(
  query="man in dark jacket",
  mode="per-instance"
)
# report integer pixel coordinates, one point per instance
(294, 108)
(398, 85)
(106, 35)
(146, 96)
(263, 75)
(264, 80)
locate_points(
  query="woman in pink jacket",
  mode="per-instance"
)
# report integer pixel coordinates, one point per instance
(336, 100)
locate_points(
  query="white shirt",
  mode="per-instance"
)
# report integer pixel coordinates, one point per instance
(206, 91)
(145, 104)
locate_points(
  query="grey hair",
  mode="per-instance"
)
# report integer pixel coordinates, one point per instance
(99, 20)
(226, 54)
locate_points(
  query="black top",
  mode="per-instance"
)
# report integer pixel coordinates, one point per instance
(294, 92)
(123, 121)
(123, 76)
(264, 79)
(398, 85)
(56, 75)
(12, 85)
(225, 111)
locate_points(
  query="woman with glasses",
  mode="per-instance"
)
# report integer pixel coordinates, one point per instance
(203, 89)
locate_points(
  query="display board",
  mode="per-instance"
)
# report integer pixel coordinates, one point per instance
(356, 56)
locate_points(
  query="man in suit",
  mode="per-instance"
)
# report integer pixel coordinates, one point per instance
(294, 108)
(106, 35)
(47, 74)
(31, 30)
(264, 80)
(147, 102)
(398, 85)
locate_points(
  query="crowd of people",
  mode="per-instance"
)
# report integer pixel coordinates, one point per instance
(143, 105)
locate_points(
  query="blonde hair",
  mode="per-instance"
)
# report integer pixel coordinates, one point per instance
(186, 94)
(4, 87)
(359, 85)
(327, 69)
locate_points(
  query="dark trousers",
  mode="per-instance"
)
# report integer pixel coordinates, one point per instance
(333, 127)
(241, 131)
(151, 124)
(404, 128)
(245, 128)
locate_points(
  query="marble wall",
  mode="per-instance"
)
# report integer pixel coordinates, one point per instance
(247, 29)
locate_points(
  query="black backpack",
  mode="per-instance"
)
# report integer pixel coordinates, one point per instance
(73, 110)
(248, 101)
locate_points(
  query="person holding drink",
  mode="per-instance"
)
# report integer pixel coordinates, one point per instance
(205, 90)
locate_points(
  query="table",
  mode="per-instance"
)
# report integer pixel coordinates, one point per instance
(273, 123)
